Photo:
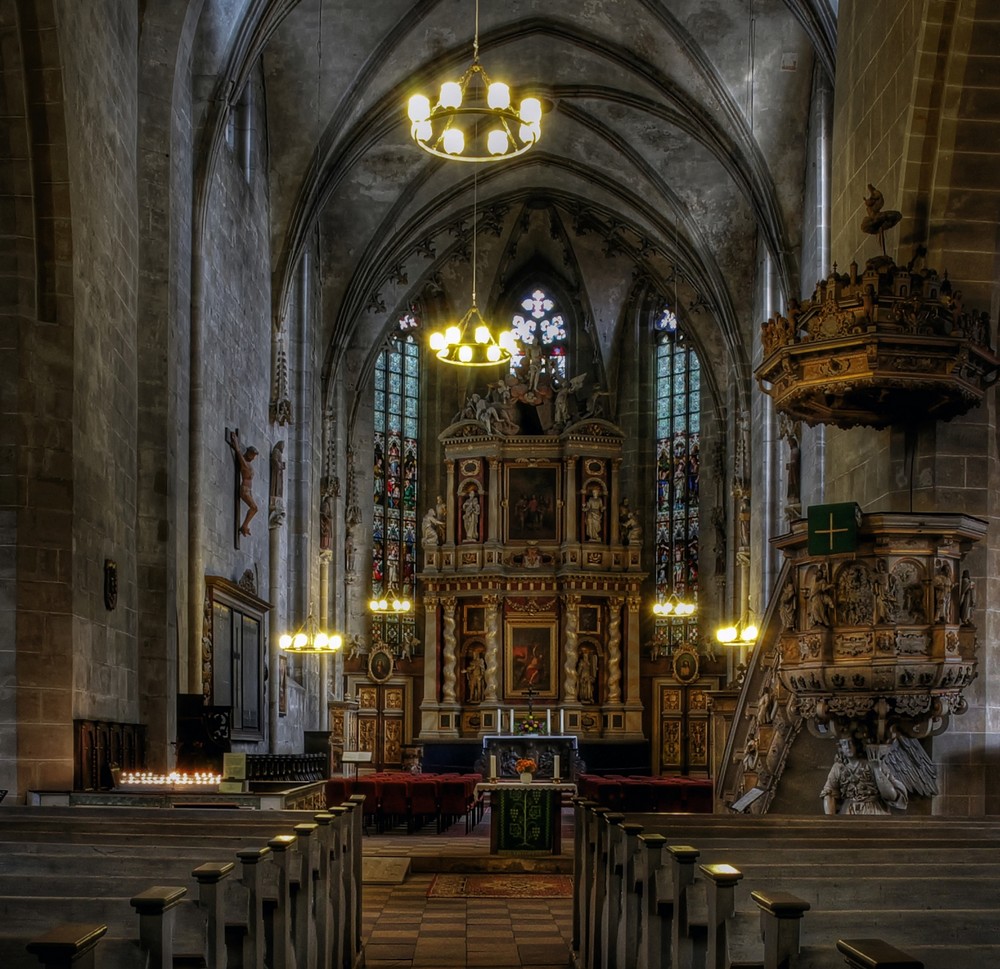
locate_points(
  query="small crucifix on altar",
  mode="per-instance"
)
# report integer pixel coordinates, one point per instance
(530, 693)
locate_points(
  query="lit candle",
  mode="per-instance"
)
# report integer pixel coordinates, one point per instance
(555, 767)
(499, 720)
(511, 721)
(493, 767)
(548, 721)
(562, 721)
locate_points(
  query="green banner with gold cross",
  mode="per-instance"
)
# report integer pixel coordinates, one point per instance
(833, 528)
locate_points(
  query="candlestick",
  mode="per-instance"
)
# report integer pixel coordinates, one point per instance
(493, 767)
(555, 767)
(562, 721)
(499, 720)
(511, 721)
(548, 721)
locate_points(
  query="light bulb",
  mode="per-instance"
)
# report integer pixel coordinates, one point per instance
(452, 335)
(285, 641)
(336, 641)
(419, 108)
(453, 141)
(528, 133)
(493, 353)
(373, 605)
(321, 641)
(421, 131)
(299, 641)
(437, 340)
(383, 604)
(498, 96)
(465, 353)
(726, 634)
(531, 111)
(407, 605)
(749, 633)
(482, 334)
(497, 141)
(451, 95)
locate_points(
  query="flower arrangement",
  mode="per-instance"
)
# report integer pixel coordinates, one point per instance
(525, 766)
(530, 725)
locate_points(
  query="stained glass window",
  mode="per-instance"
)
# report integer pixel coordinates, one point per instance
(394, 520)
(678, 467)
(539, 323)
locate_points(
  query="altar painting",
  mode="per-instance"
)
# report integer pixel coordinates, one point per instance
(531, 660)
(532, 503)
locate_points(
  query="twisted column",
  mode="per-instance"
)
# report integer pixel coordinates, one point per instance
(615, 650)
(572, 653)
(448, 652)
(492, 648)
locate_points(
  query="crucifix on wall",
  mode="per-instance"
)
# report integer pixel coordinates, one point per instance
(242, 459)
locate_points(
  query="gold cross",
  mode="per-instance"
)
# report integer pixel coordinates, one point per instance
(831, 531)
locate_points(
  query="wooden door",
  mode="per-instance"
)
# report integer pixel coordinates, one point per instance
(682, 736)
(381, 719)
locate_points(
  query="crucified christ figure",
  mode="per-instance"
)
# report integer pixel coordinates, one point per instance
(243, 461)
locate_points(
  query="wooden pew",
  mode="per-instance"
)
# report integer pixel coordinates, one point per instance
(302, 888)
(744, 904)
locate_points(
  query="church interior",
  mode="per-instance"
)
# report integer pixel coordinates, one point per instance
(634, 416)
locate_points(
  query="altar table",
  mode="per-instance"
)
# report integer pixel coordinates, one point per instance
(525, 819)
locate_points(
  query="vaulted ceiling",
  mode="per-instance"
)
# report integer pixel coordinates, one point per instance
(673, 148)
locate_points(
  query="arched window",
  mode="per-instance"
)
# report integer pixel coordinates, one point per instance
(540, 323)
(678, 467)
(394, 520)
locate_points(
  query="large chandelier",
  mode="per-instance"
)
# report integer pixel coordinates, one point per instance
(309, 638)
(494, 130)
(470, 342)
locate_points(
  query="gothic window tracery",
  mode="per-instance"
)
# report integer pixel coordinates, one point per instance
(394, 496)
(678, 468)
(540, 323)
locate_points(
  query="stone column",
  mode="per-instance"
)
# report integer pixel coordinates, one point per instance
(492, 604)
(493, 503)
(615, 649)
(633, 705)
(275, 627)
(325, 558)
(429, 706)
(448, 651)
(572, 502)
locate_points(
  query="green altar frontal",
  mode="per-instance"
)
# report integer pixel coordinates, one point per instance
(525, 819)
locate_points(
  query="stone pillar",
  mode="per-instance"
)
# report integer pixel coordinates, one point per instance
(429, 706)
(573, 502)
(633, 704)
(275, 626)
(325, 558)
(615, 649)
(492, 604)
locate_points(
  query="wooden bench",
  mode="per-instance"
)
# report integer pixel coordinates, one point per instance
(131, 888)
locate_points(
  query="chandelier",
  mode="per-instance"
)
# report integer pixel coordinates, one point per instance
(744, 632)
(494, 130)
(390, 602)
(673, 607)
(308, 638)
(470, 342)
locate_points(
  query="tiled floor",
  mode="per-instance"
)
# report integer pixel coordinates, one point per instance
(404, 929)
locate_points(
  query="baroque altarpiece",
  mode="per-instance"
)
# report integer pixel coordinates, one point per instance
(531, 579)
